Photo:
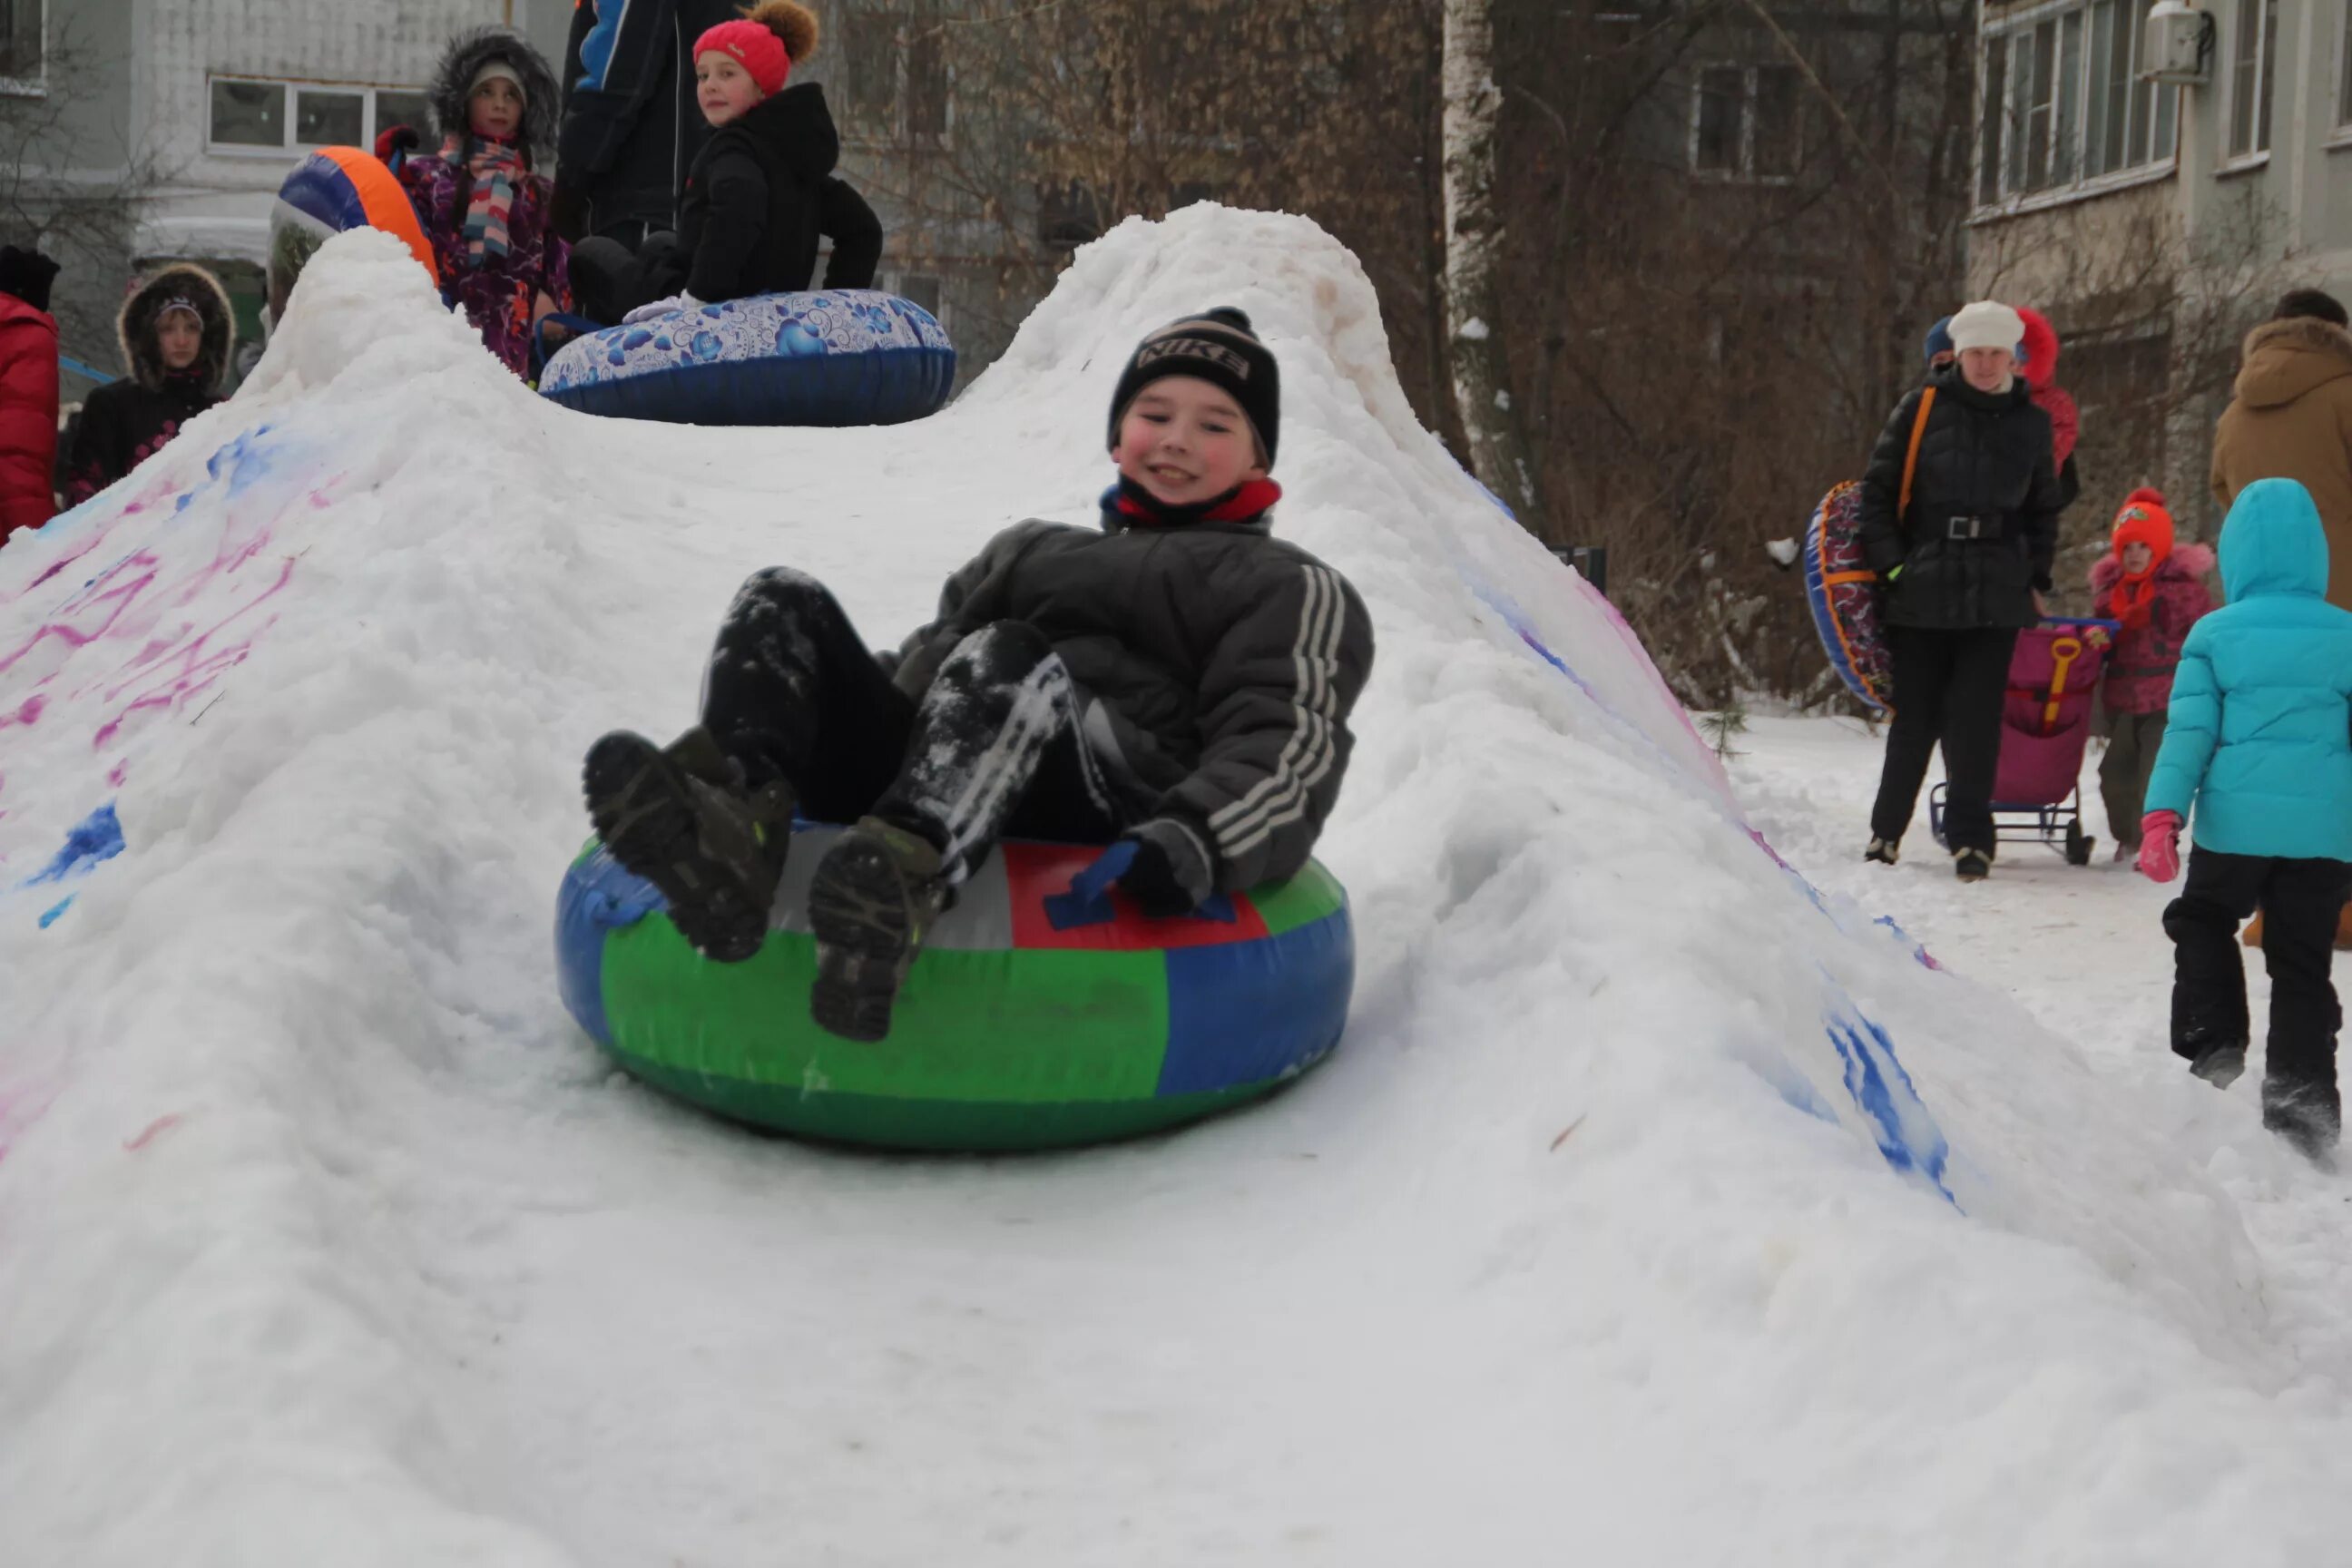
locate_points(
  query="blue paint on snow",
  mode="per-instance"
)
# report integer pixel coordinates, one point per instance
(1907, 1134)
(49, 916)
(99, 837)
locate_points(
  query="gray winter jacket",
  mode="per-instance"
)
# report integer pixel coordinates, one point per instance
(1217, 667)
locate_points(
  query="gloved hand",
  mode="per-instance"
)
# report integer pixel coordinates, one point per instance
(2159, 845)
(395, 142)
(660, 308)
(1171, 874)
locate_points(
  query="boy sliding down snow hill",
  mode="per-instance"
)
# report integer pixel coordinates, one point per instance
(1177, 680)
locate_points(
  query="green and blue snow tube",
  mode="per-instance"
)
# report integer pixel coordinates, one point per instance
(1043, 1011)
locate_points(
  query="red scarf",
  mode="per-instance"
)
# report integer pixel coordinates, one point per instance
(1246, 503)
(2133, 596)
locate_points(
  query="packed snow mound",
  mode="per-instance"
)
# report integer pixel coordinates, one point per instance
(325, 1236)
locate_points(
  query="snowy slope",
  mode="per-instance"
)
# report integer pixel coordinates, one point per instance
(324, 1237)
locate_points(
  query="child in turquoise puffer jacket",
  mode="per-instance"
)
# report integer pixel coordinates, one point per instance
(2259, 738)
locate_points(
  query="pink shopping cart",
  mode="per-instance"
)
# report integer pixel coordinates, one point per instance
(2045, 723)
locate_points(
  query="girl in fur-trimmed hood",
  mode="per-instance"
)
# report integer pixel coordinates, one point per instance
(177, 333)
(480, 199)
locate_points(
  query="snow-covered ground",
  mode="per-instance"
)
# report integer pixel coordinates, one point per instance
(1662, 1206)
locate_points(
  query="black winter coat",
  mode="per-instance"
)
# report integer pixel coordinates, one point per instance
(630, 126)
(761, 197)
(1984, 471)
(1217, 667)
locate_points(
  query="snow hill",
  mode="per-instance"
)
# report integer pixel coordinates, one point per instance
(1659, 1207)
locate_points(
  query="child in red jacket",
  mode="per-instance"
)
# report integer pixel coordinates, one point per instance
(28, 390)
(2157, 592)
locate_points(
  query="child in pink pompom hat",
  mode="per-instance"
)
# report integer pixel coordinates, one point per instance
(760, 196)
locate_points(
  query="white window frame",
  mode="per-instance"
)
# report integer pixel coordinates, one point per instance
(32, 86)
(1749, 98)
(2263, 126)
(367, 93)
(2153, 107)
(2340, 133)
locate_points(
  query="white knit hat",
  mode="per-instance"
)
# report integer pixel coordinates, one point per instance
(497, 70)
(1987, 324)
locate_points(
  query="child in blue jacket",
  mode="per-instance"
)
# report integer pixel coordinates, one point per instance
(2260, 739)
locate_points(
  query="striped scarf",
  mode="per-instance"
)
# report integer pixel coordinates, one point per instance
(497, 169)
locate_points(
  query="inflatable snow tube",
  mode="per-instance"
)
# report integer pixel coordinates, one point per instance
(839, 356)
(1041, 1013)
(332, 190)
(1843, 593)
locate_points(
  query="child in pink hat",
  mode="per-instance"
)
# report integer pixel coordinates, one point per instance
(760, 197)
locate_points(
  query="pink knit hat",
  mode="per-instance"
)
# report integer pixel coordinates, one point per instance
(755, 48)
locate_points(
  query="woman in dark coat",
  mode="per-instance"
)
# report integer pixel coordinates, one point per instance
(1964, 568)
(177, 333)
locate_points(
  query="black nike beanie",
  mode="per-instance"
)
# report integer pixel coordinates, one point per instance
(1219, 347)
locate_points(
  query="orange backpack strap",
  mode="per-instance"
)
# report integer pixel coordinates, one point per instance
(1911, 457)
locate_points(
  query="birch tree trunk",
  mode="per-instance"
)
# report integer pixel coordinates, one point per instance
(1499, 454)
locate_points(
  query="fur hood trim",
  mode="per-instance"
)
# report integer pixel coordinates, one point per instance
(134, 329)
(452, 84)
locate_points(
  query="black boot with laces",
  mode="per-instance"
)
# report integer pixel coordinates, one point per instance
(682, 817)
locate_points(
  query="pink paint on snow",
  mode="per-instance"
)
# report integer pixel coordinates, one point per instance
(161, 1124)
(19, 1108)
(135, 604)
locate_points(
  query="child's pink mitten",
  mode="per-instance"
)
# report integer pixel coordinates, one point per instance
(2159, 845)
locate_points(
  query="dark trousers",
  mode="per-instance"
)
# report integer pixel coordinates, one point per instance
(992, 748)
(1949, 687)
(2300, 900)
(2132, 743)
(609, 279)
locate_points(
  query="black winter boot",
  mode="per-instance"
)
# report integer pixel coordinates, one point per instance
(871, 903)
(1971, 865)
(680, 817)
(2219, 1065)
(2305, 1115)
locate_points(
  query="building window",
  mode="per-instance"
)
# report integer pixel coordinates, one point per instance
(916, 288)
(927, 85)
(2064, 105)
(21, 51)
(1744, 122)
(2344, 75)
(324, 119)
(872, 69)
(1067, 217)
(2253, 55)
(397, 105)
(248, 113)
(898, 74)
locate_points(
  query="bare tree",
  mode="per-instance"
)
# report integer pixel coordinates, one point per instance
(1474, 259)
(49, 198)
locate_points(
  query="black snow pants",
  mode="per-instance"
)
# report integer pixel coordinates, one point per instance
(992, 748)
(2300, 900)
(609, 279)
(1949, 687)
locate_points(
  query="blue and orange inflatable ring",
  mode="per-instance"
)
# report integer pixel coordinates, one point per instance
(1845, 595)
(332, 192)
(838, 356)
(1044, 1009)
